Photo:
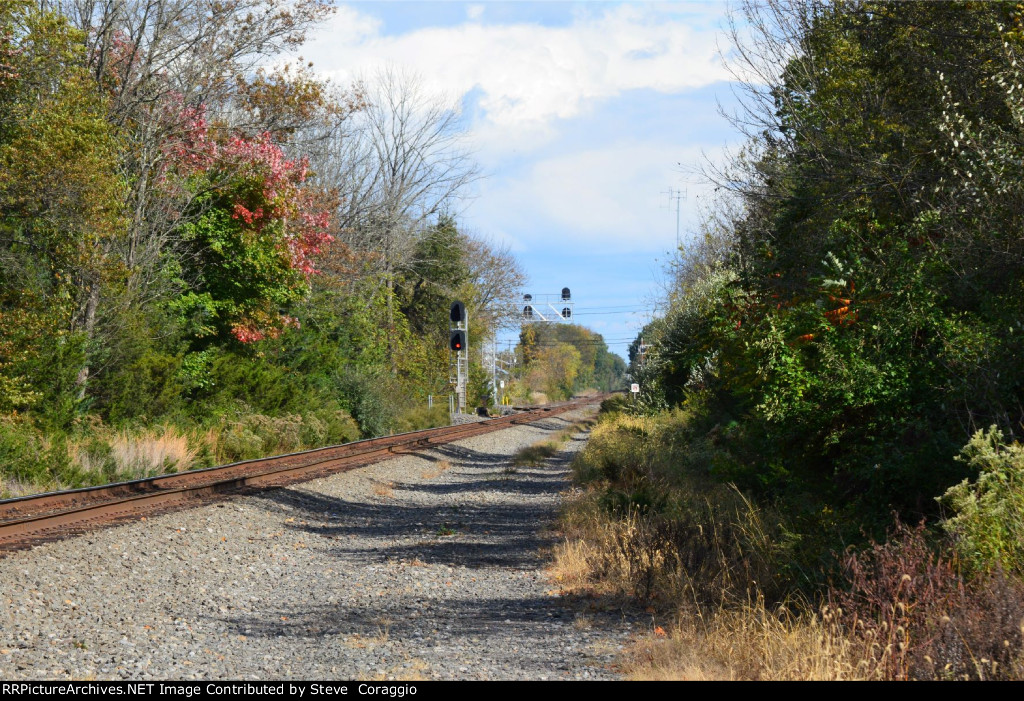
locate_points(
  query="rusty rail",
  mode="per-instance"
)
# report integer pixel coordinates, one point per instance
(26, 521)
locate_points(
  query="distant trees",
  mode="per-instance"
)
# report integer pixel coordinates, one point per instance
(562, 359)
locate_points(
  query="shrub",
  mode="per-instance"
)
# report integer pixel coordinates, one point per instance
(422, 417)
(367, 399)
(26, 458)
(988, 525)
(253, 436)
(535, 455)
(918, 618)
(614, 404)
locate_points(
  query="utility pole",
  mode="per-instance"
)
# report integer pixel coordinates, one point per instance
(494, 369)
(678, 196)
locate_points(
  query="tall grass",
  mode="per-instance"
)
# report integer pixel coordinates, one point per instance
(33, 461)
(651, 528)
(153, 451)
(753, 642)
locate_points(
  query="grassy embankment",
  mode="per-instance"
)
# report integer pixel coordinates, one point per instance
(33, 459)
(732, 586)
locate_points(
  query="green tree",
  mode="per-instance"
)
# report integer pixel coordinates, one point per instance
(60, 206)
(859, 319)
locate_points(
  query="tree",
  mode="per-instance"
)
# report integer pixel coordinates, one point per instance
(554, 372)
(60, 195)
(255, 242)
(859, 321)
(402, 165)
(497, 279)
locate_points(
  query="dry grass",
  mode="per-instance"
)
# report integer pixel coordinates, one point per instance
(694, 554)
(412, 670)
(157, 450)
(385, 490)
(617, 559)
(436, 470)
(153, 451)
(648, 530)
(535, 455)
(693, 573)
(581, 426)
(752, 643)
(381, 637)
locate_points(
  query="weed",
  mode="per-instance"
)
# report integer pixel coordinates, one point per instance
(751, 642)
(921, 619)
(582, 622)
(438, 469)
(385, 490)
(988, 524)
(535, 455)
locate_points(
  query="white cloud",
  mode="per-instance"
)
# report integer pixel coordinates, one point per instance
(610, 198)
(348, 27)
(529, 74)
(532, 85)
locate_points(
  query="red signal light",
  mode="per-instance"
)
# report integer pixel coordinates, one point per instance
(457, 340)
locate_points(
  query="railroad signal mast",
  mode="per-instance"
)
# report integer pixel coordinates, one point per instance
(503, 365)
(458, 346)
(550, 308)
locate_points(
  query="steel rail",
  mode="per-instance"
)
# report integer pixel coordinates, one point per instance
(25, 521)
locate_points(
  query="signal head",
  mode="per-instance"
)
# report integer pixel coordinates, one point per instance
(457, 312)
(457, 340)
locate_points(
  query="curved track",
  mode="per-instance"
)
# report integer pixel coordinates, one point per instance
(28, 520)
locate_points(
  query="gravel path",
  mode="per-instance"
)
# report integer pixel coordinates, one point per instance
(426, 566)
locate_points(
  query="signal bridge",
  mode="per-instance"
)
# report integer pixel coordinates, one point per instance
(550, 308)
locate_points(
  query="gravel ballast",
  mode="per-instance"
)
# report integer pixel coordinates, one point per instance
(425, 566)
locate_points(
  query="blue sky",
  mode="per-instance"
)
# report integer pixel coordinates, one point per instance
(582, 115)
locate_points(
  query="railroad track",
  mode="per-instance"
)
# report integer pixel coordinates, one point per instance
(27, 521)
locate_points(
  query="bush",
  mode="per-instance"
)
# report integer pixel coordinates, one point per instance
(147, 388)
(422, 417)
(614, 404)
(252, 436)
(653, 527)
(918, 618)
(26, 458)
(367, 398)
(988, 525)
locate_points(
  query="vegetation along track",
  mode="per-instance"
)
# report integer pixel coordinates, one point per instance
(28, 520)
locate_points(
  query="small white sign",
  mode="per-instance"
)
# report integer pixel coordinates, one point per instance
(634, 388)
(503, 384)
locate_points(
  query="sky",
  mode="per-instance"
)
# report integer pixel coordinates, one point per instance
(585, 118)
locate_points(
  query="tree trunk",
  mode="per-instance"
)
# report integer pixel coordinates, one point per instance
(391, 320)
(92, 302)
